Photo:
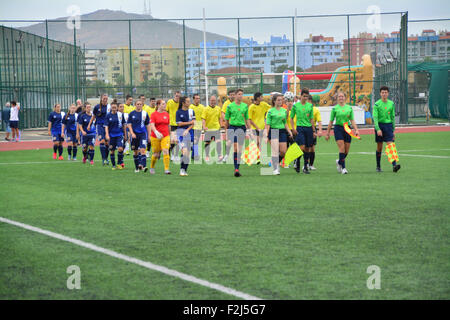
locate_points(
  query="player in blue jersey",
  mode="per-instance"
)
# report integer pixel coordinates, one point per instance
(115, 131)
(55, 130)
(100, 112)
(87, 133)
(70, 132)
(185, 119)
(139, 124)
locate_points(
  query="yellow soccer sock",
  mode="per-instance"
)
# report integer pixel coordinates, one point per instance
(153, 162)
(166, 160)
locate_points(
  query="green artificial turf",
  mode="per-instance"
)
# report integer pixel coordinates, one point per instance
(292, 236)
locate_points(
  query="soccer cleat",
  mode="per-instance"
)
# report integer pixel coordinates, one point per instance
(136, 170)
(107, 162)
(113, 168)
(344, 171)
(182, 172)
(297, 169)
(54, 156)
(207, 159)
(127, 153)
(60, 158)
(103, 163)
(74, 159)
(338, 166)
(312, 168)
(119, 167)
(84, 160)
(396, 168)
(224, 160)
(152, 171)
(145, 169)
(123, 165)
(92, 162)
(306, 171)
(276, 172)
(220, 159)
(69, 157)
(140, 167)
(7, 139)
(379, 169)
(167, 172)
(237, 173)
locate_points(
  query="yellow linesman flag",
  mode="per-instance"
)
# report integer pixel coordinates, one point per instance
(292, 153)
(391, 152)
(350, 132)
(251, 154)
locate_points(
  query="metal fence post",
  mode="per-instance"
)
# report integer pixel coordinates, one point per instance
(184, 54)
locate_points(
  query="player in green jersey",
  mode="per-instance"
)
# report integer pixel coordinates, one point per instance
(384, 120)
(277, 130)
(343, 113)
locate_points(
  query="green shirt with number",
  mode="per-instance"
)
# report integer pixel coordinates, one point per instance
(276, 119)
(342, 114)
(384, 112)
(237, 114)
(304, 113)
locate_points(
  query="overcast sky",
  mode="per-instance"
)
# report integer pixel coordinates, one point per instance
(259, 29)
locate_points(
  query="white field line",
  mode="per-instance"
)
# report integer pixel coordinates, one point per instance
(141, 263)
(318, 153)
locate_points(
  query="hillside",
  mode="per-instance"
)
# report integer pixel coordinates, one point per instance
(97, 34)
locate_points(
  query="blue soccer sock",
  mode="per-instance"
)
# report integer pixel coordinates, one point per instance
(60, 150)
(342, 160)
(136, 161)
(120, 157)
(74, 152)
(143, 160)
(55, 148)
(69, 150)
(113, 159)
(236, 157)
(103, 151)
(378, 159)
(91, 154)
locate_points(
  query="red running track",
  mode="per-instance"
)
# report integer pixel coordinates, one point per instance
(44, 144)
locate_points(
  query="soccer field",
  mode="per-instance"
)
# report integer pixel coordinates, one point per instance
(292, 236)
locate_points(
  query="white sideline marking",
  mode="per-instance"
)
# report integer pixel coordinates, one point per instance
(410, 155)
(144, 264)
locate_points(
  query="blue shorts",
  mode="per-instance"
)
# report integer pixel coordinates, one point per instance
(115, 142)
(88, 140)
(100, 132)
(14, 124)
(140, 142)
(281, 134)
(56, 137)
(185, 141)
(388, 133)
(71, 136)
(238, 134)
(305, 136)
(340, 134)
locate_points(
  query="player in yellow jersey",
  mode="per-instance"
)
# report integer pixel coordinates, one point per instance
(231, 95)
(318, 122)
(172, 108)
(127, 108)
(257, 115)
(198, 110)
(211, 126)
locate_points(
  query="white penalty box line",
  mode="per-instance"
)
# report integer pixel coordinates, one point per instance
(145, 264)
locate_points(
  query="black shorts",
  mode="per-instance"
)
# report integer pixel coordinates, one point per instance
(305, 136)
(14, 124)
(173, 128)
(340, 134)
(212, 135)
(238, 133)
(387, 131)
(281, 133)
